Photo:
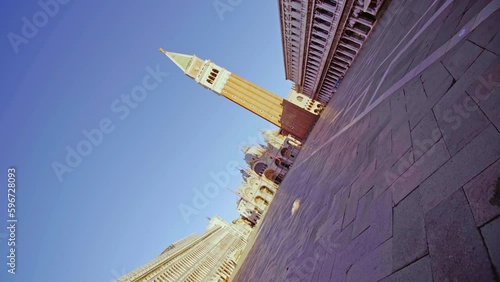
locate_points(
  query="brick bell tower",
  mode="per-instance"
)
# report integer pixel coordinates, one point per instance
(291, 118)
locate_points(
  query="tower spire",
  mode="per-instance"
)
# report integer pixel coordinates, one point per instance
(181, 60)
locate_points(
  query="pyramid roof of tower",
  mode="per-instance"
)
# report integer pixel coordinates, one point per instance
(181, 60)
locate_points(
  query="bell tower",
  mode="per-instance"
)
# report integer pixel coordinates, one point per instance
(292, 119)
(221, 81)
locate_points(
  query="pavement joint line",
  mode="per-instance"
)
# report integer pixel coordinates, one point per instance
(365, 92)
(370, 58)
(371, 54)
(362, 97)
(393, 50)
(485, 13)
(426, 25)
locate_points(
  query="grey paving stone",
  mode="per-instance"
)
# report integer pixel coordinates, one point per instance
(408, 18)
(473, 8)
(326, 269)
(470, 77)
(374, 266)
(415, 97)
(370, 157)
(398, 32)
(394, 8)
(411, 13)
(309, 263)
(294, 276)
(465, 165)
(396, 73)
(486, 81)
(381, 221)
(383, 148)
(321, 222)
(327, 234)
(380, 186)
(431, 161)
(491, 237)
(436, 81)
(433, 79)
(338, 274)
(365, 180)
(339, 203)
(483, 193)
(355, 249)
(428, 38)
(460, 122)
(419, 271)
(494, 45)
(343, 239)
(425, 135)
(398, 107)
(351, 208)
(401, 139)
(489, 102)
(422, 53)
(455, 246)
(460, 58)
(486, 31)
(390, 175)
(450, 24)
(362, 221)
(379, 115)
(409, 239)
(317, 272)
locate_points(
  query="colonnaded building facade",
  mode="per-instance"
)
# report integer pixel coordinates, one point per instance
(321, 39)
(211, 256)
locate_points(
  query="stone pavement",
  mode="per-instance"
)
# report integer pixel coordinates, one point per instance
(400, 178)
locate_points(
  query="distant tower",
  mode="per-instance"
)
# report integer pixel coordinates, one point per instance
(221, 81)
(291, 118)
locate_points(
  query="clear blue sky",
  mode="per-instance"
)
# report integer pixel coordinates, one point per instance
(119, 207)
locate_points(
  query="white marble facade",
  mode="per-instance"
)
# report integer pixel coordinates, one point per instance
(321, 38)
